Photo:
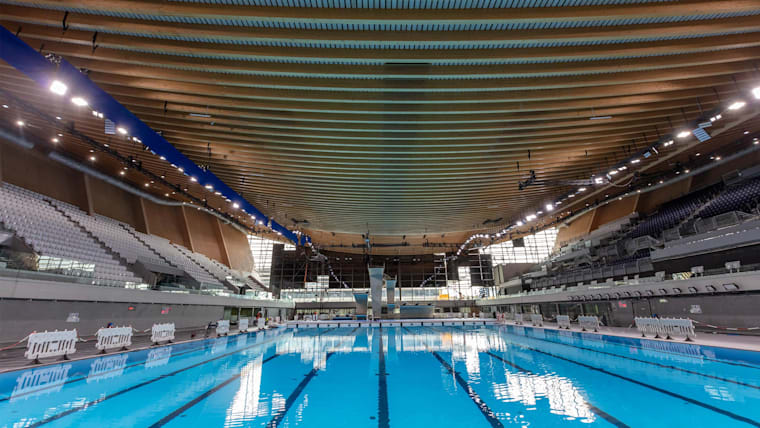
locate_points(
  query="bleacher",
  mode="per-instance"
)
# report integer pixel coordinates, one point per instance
(118, 252)
(723, 215)
(37, 222)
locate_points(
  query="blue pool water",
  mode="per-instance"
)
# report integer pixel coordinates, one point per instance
(395, 377)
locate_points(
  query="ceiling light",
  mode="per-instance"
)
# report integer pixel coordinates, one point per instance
(180, 170)
(582, 189)
(530, 217)
(746, 132)
(598, 180)
(92, 158)
(668, 143)
(235, 205)
(163, 158)
(209, 187)
(122, 172)
(636, 161)
(20, 123)
(166, 194)
(613, 172)
(122, 131)
(55, 140)
(572, 195)
(717, 158)
(683, 134)
(79, 101)
(549, 207)
(736, 105)
(622, 168)
(59, 88)
(193, 179)
(756, 92)
(5, 105)
(147, 184)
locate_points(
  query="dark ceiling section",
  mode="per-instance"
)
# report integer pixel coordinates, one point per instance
(405, 121)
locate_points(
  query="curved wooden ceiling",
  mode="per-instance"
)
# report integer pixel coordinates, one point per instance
(409, 119)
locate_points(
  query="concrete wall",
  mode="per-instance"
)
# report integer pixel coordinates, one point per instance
(20, 317)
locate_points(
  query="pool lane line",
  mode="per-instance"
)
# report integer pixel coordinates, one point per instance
(482, 406)
(383, 417)
(277, 419)
(652, 387)
(168, 418)
(666, 366)
(129, 366)
(139, 385)
(597, 411)
(588, 336)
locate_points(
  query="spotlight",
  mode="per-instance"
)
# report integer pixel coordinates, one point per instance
(736, 105)
(92, 158)
(683, 134)
(598, 180)
(635, 161)
(193, 179)
(147, 184)
(79, 101)
(613, 172)
(549, 207)
(756, 92)
(59, 88)
(235, 205)
(122, 172)
(58, 117)
(55, 140)
(668, 143)
(20, 123)
(122, 131)
(5, 105)
(209, 187)
(180, 170)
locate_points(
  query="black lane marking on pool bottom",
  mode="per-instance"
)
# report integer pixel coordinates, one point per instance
(652, 387)
(277, 419)
(666, 366)
(383, 418)
(599, 412)
(484, 409)
(202, 397)
(141, 384)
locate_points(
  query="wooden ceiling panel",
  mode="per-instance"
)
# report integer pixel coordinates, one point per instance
(399, 121)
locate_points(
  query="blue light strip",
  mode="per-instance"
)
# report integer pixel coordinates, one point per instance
(30, 62)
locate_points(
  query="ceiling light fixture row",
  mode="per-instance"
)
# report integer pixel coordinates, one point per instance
(606, 178)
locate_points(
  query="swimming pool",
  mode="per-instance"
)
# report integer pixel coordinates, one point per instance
(395, 377)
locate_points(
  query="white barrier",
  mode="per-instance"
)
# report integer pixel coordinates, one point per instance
(51, 344)
(222, 327)
(588, 322)
(243, 325)
(114, 338)
(537, 320)
(162, 332)
(518, 318)
(666, 328)
(563, 321)
(260, 322)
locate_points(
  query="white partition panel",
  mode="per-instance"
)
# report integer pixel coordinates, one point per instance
(222, 327)
(537, 320)
(563, 321)
(588, 323)
(51, 344)
(243, 325)
(114, 338)
(162, 332)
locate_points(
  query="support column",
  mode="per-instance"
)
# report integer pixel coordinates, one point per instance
(90, 208)
(186, 235)
(222, 242)
(144, 217)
